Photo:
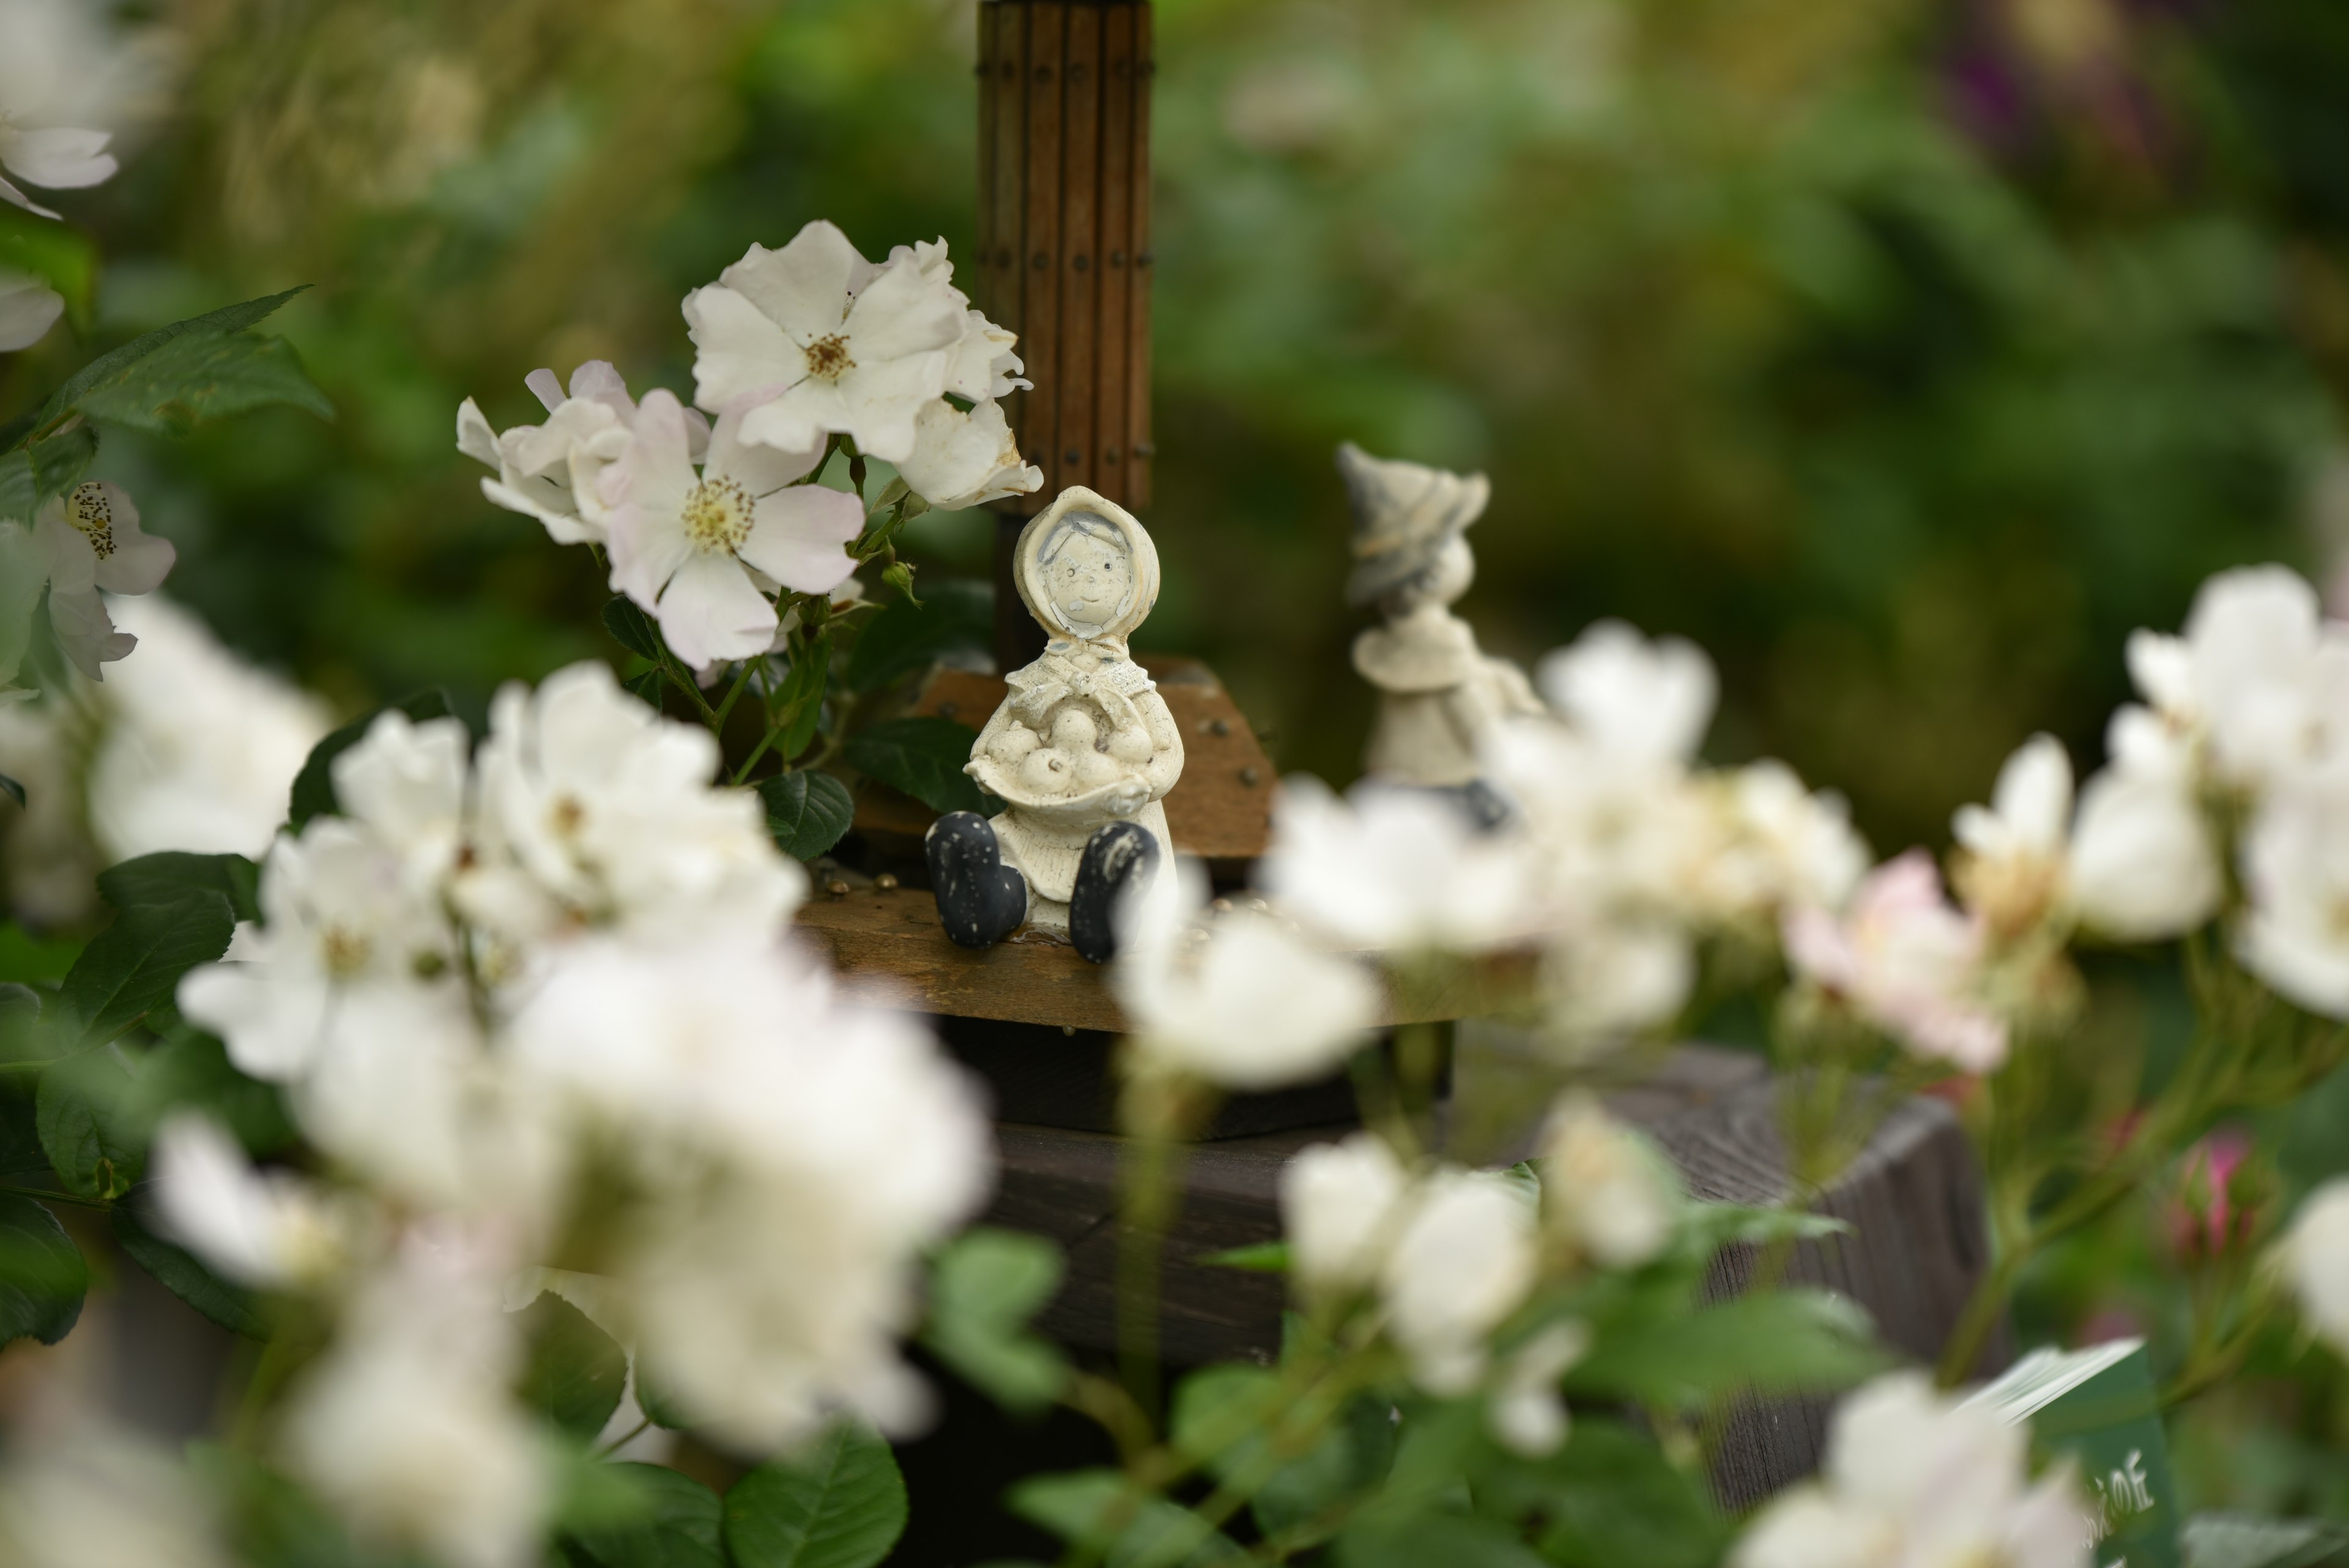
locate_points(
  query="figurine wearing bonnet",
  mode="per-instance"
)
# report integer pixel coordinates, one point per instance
(1439, 694)
(1083, 749)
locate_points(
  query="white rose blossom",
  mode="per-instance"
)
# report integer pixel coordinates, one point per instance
(1463, 1260)
(62, 79)
(966, 459)
(1605, 1194)
(549, 472)
(29, 308)
(1395, 870)
(1905, 960)
(1913, 1479)
(1339, 1204)
(1526, 1413)
(79, 1495)
(1242, 1001)
(2315, 1256)
(90, 540)
(792, 1155)
(2295, 864)
(697, 549)
(1642, 701)
(272, 1230)
(813, 340)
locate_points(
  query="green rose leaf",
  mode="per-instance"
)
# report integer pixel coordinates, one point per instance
(575, 1373)
(1097, 1511)
(807, 813)
(191, 1071)
(635, 630)
(133, 966)
(231, 1306)
(1780, 1342)
(646, 688)
(985, 1287)
(42, 1277)
(314, 787)
(799, 704)
(925, 758)
(84, 1115)
(205, 376)
(110, 376)
(840, 1503)
(173, 874)
(1608, 1496)
(1456, 1541)
(676, 1523)
(31, 474)
(956, 618)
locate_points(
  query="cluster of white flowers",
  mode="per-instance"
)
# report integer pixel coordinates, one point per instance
(794, 347)
(1619, 857)
(82, 545)
(1912, 1478)
(1444, 1261)
(491, 987)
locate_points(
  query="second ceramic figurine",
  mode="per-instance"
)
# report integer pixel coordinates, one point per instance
(1083, 749)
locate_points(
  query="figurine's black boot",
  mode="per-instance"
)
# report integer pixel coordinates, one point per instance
(1118, 857)
(980, 899)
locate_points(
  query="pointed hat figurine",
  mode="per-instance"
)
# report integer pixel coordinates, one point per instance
(1083, 749)
(1439, 694)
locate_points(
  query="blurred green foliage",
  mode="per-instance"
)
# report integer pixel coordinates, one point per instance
(1904, 353)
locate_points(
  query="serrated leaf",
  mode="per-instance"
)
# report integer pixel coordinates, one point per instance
(116, 367)
(924, 757)
(634, 630)
(176, 1269)
(174, 873)
(677, 1524)
(957, 616)
(31, 474)
(807, 813)
(1779, 1342)
(42, 1276)
(83, 1113)
(134, 965)
(577, 1372)
(314, 787)
(647, 689)
(204, 376)
(1096, 1510)
(840, 1503)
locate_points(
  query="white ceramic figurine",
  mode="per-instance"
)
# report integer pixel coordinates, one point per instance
(1439, 694)
(1083, 749)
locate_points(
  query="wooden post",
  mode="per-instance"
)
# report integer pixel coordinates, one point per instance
(1064, 252)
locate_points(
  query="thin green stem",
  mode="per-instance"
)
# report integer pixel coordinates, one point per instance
(73, 1197)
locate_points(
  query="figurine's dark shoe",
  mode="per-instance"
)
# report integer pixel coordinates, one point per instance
(980, 899)
(1119, 857)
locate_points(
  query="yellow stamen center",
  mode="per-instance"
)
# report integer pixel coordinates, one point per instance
(718, 515)
(827, 358)
(89, 510)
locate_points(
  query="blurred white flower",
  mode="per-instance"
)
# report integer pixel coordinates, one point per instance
(697, 549)
(92, 540)
(1604, 1193)
(2143, 865)
(2316, 1261)
(345, 935)
(1464, 1260)
(2012, 868)
(549, 472)
(29, 308)
(1527, 1414)
(594, 808)
(405, 1424)
(1615, 979)
(1785, 846)
(1242, 1001)
(1912, 1479)
(270, 1230)
(199, 749)
(1395, 870)
(1340, 1204)
(1647, 702)
(965, 459)
(78, 1495)
(61, 75)
(2295, 864)
(1905, 961)
(791, 1156)
(811, 339)
(2257, 680)
(407, 781)
(49, 862)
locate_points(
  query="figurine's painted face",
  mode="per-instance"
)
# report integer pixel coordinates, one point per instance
(1088, 573)
(1442, 580)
